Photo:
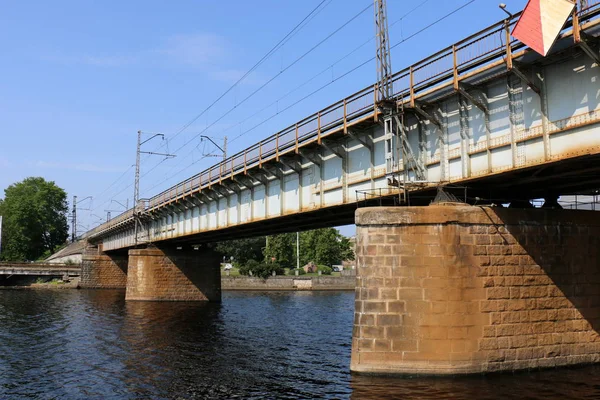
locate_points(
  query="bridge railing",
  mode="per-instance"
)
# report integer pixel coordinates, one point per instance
(587, 5)
(444, 68)
(462, 56)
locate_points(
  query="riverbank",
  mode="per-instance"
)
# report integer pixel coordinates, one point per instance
(73, 283)
(289, 283)
(282, 283)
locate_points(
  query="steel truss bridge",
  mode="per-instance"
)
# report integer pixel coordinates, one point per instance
(486, 113)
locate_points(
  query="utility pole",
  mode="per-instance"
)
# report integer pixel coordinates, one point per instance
(136, 188)
(298, 250)
(74, 216)
(384, 64)
(223, 150)
(74, 220)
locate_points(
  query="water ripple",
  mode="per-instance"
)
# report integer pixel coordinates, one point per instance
(93, 345)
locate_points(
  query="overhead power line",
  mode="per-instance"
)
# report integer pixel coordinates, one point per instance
(329, 36)
(254, 67)
(277, 75)
(428, 26)
(437, 21)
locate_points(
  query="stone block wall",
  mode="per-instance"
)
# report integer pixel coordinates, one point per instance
(288, 283)
(462, 289)
(101, 270)
(172, 274)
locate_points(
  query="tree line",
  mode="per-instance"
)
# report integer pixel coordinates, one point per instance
(267, 254)
(35, 226)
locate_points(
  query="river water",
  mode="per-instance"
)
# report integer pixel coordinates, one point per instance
(78, 344)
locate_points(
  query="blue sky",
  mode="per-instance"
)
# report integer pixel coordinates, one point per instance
(78, 79)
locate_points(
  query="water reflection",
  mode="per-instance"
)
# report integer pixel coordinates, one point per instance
(563, 383)
(93, 344)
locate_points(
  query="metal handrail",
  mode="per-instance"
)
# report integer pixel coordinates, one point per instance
(480, 49)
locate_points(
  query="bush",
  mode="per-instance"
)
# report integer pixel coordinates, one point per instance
(250, 265)
(262, 270)
(266, 270)
(325, 270)
(293, 271)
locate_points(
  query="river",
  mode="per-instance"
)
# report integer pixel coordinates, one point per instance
(79, 344)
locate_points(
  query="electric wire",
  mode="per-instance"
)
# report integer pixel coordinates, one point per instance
(313, 13)
(272, 51)
(252, 69)
(346, 23)
(321, 72)
(435, 22)
(278, 74)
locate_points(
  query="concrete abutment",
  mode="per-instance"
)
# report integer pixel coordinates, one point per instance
(173, 274)
(455, 289)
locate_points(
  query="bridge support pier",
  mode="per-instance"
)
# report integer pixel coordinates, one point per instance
(100, 270)
(456, 289)
(173, 274)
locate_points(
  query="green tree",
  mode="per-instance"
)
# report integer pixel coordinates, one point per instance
(281, 249)
(242, 250)
(325, 246)
(34, 219)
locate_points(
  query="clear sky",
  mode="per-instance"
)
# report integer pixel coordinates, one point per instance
(78, 79)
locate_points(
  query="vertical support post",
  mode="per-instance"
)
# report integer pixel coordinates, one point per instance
(382, 55)
(544, 110)
(319, 127)
(464, 136)
(454, 68)
(252, 213)
(281, 194)
(321, 176)
(296, 138)
(511, 119)
(412, 88)
(345, 117)
(277, 146)
(375, 110)
(576, 26)
(344, 153)
(488, 140)
(245, 162)
(509, 60)
(136, 189)
(300, 186)
(227, 216)
(260, 153)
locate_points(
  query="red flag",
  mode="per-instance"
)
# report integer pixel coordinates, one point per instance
(541, 22)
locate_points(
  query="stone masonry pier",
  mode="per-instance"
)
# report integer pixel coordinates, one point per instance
(455, 289)
(173, 274)
(101, 270)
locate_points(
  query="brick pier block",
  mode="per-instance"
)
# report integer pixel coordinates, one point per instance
(172, 274)
(462, 289)
(101, 270)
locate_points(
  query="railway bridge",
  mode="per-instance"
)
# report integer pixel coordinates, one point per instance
(490, 284)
